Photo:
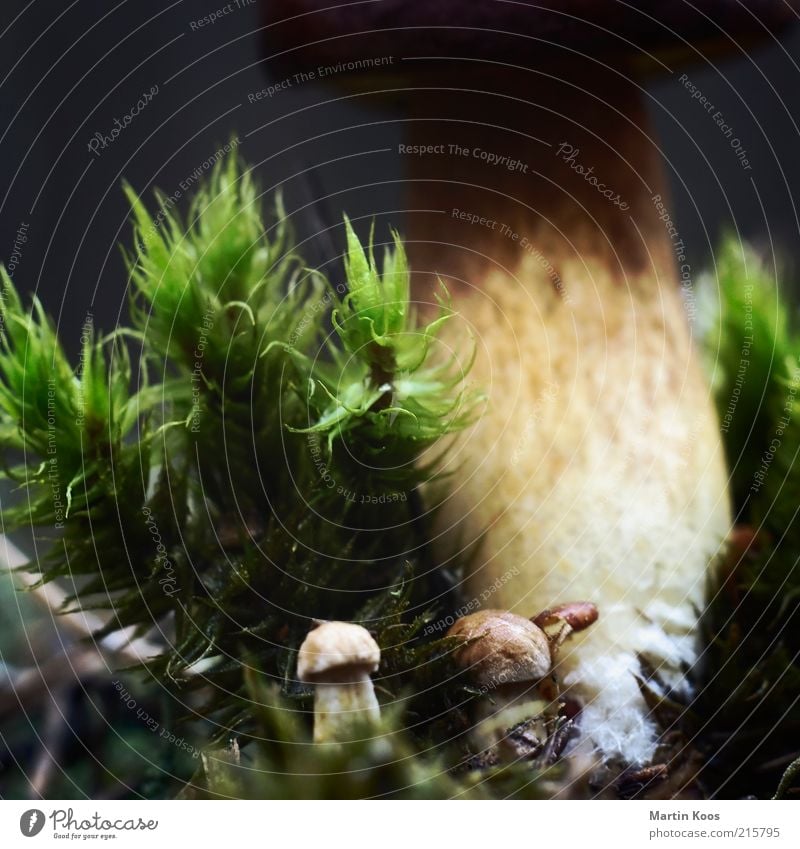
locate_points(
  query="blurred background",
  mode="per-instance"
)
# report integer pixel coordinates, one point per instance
(70, 70)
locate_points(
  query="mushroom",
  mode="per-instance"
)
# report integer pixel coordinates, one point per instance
(536, 189)
(337, 658)
(561, 622)
(509, 656)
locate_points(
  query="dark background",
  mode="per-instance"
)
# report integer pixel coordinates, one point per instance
(67, 69)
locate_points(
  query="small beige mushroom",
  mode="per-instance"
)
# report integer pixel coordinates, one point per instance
(337, 658)
(510, 656)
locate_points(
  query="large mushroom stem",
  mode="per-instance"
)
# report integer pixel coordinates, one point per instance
(343, 705)
(597, 471)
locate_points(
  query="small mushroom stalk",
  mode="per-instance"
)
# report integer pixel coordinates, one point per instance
(340, 706)
(338, 657)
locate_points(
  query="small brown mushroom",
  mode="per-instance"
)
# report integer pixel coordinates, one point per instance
(338, 657)
(560, 622)
(502, 648)
(579, 615)
(510, 656)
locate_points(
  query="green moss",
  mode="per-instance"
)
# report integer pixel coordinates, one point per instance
(747, 710)
(226, 469)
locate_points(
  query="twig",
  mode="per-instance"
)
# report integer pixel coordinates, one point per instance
(83, 624)
(91, 656)
(778, 762)
(53, 735)
(36, 684)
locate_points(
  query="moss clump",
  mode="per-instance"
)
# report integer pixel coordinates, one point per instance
(747, 708)
(243, 458)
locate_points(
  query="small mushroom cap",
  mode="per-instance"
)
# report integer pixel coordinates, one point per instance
(504, 648)
(333, 649)
(579, 615)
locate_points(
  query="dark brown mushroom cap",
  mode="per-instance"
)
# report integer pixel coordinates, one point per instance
(504, 648)
(305, 34)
